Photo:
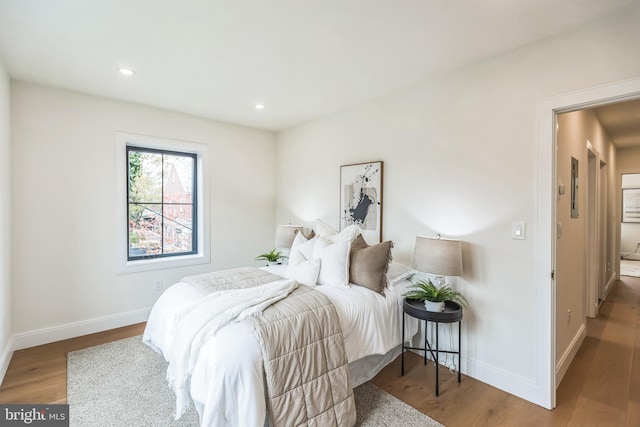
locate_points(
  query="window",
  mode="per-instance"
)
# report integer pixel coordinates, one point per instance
(161, 206)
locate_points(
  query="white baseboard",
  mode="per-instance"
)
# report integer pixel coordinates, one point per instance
(509, 382)
(5, 359)
(76, 329)
(568, 356)
(612, 280)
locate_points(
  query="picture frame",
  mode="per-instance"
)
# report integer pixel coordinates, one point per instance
(575, 167)
(631, 205)
(361, 198)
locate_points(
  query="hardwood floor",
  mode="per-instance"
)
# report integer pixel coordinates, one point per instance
(601, 388)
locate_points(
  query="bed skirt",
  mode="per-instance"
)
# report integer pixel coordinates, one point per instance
(368, 367)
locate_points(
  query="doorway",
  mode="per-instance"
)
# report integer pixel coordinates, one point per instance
(549, 229)
(630, 225)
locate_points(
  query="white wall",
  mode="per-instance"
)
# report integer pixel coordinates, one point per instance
(5, 227)
(629, 231)
(63, 181)
(629, 160)
(460, 160)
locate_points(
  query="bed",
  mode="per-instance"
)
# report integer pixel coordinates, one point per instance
(227, 382)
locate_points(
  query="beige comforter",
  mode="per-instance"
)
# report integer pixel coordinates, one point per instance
(307, 377)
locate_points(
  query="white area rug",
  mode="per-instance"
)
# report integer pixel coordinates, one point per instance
(122, 383)
(629, 268)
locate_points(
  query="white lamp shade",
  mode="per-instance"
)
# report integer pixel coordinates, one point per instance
(434, 255)
(285, 235)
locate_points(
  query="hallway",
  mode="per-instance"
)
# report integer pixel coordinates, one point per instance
(603, 383)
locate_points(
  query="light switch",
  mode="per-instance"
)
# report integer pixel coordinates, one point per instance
(518, 230)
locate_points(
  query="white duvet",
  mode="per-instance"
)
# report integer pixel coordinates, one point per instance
(227, 378)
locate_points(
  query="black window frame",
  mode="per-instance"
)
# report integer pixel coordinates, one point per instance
(194, 204)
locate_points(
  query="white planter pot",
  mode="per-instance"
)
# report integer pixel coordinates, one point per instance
(434, 306)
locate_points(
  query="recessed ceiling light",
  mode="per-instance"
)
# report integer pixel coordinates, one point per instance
(259, 106)
(126, 71)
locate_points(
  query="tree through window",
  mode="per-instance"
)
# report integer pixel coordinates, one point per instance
(161, 203)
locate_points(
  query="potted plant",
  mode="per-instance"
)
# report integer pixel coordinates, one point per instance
(271, 257)
(434, 297)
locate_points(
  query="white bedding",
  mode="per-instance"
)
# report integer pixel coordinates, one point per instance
(227, 380)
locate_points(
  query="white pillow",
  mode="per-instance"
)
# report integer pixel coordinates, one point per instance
(327, 232)
(305, 273)
(350, 233)
(298, 240)
(333, 259)
(398, 272)
(324, 230)
(301, 249)
(320, 244)
(334, 264)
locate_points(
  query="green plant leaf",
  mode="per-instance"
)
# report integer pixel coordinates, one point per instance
(272, 256)
(427, 291)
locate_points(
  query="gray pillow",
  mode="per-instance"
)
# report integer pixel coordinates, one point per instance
(368, 264)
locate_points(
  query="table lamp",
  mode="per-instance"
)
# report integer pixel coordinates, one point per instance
(438, 256)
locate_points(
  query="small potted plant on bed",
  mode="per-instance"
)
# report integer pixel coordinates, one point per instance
(271, 257)
(434, 297)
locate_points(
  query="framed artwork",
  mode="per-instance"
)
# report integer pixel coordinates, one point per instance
(631, 205)
(361, 199)
(575, 166)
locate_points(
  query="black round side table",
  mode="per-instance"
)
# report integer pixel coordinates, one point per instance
(452, 313)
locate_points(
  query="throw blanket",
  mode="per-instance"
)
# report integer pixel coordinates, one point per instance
(195, 323)
(306, 369)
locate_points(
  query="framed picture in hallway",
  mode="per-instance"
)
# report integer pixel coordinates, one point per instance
(631, 205)
(575, 167)
(361, 199)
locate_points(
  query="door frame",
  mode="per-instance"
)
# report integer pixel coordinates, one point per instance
(545, 375)
(605, 238)
(592, 225)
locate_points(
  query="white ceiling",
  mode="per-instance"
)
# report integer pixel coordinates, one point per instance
(622, 122)
(303, 59)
